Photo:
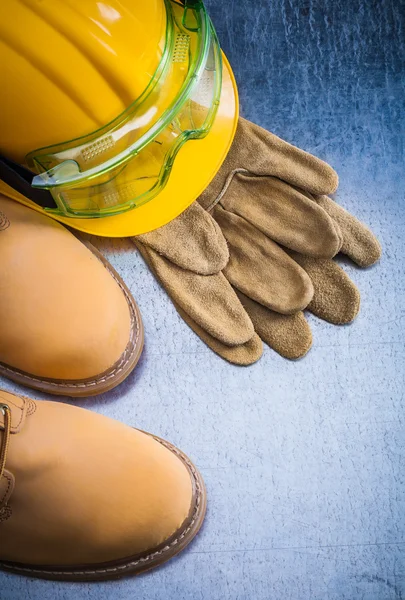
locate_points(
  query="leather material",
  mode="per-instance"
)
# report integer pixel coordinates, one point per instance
(19, 411)
(282, 232)
(7, 483)
(62, 315)
(88, 489)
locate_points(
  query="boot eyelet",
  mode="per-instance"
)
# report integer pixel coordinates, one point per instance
(4, 408)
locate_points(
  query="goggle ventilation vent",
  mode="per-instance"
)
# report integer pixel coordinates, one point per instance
(181, 46)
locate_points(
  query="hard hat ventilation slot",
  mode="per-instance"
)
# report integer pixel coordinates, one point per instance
(181, 46)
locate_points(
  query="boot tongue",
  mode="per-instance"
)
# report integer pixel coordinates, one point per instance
(19, 407)
(4, 222)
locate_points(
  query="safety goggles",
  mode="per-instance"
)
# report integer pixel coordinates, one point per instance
(126, 163)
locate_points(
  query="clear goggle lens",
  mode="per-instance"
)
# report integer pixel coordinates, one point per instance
(129, 161)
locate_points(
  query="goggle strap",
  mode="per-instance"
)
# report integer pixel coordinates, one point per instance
(20, 179)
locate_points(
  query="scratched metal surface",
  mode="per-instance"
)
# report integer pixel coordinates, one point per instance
(304, 462)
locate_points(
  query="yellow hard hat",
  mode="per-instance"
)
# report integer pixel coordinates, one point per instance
(113, 117)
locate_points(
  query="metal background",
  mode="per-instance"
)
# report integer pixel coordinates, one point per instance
(304, 462)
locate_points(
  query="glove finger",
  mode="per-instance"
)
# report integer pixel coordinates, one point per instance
(284, 214)
(336, 299)
(208, 299)
(359, 243)
(192, 241)
(260, 269)
(263, 153)
(244, 354)
(289, 335)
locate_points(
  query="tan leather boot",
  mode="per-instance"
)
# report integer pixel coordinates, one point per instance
(68, 323)
(83, 497)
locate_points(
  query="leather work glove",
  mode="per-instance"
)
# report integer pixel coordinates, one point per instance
(255, 249)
